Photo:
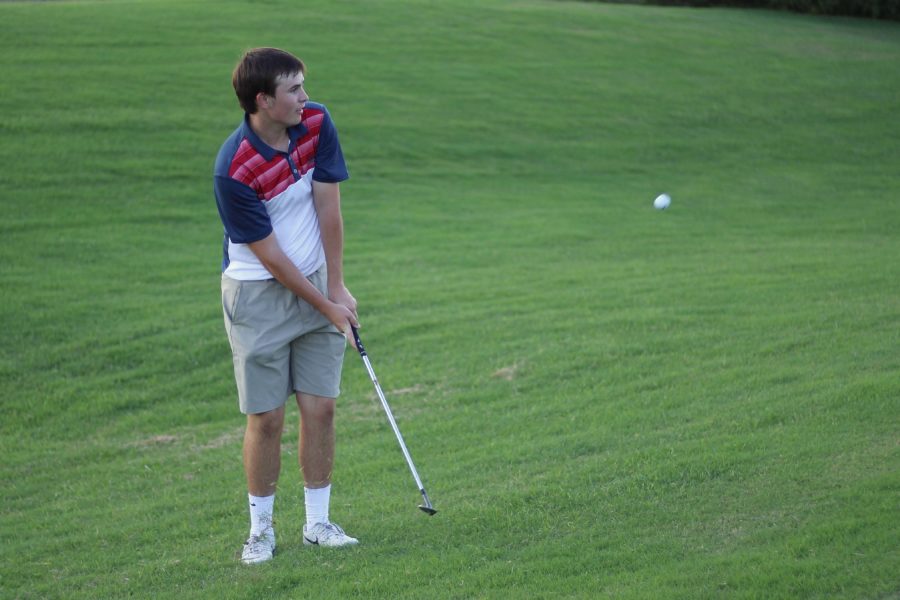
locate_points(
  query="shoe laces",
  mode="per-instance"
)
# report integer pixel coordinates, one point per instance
(255, 541)
(329, 530)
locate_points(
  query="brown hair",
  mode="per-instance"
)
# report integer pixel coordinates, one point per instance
(259, 70)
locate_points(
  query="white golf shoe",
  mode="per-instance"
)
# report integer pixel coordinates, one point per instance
(259, 548)
(326, 534)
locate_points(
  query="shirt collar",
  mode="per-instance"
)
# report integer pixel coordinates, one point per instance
(268, 152)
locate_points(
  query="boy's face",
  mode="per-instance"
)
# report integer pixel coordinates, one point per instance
(286, 106)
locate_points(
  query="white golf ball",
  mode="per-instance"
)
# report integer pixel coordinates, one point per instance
(662, 202)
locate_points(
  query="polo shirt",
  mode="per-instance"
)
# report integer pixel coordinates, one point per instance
(260, 190)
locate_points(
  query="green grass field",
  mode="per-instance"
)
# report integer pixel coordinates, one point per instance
(604, 400)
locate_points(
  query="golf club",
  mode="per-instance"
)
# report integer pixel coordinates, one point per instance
(427, 507)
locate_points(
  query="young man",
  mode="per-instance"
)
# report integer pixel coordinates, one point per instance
(287, 310)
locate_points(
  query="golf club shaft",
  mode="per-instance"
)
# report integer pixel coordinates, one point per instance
(390, 415)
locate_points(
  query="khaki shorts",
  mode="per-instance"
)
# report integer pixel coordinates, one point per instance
(280, 343)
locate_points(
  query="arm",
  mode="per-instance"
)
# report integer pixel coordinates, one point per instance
(280, 266)
(327, 199)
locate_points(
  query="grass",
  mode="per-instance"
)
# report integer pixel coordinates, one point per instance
(603, 400)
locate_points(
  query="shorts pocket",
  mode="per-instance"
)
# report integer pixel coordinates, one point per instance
(231, 296)
(319, 279)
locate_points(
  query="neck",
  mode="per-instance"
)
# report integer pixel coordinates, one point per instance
(272, 133)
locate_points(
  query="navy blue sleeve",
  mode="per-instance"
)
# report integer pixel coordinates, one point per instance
(330, 166)
(245, 218)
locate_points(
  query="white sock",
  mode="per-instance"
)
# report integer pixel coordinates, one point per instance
(317, 501)
(261, 508)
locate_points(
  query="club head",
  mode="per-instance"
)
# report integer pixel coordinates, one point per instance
(426, 508)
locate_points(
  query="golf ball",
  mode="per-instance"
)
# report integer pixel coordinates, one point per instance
(662, 202)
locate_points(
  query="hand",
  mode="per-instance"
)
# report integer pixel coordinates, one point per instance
(342, 318)
(341, 295)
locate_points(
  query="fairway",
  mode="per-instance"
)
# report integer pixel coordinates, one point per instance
(603, 400)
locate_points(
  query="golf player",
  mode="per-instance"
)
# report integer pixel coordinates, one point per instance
(287, 311)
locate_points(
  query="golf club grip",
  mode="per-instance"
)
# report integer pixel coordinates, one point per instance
(359, 344)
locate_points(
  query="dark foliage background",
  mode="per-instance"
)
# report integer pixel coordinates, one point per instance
(875, 9)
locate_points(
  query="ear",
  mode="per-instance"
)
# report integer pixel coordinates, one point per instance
(263, 100)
